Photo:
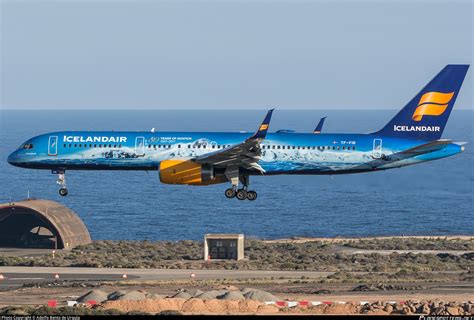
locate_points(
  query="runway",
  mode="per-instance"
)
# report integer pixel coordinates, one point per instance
(18, 276)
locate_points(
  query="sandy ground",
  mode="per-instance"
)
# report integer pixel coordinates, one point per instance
(459, 292)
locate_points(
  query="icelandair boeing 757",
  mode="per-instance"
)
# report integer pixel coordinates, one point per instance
(203, 158)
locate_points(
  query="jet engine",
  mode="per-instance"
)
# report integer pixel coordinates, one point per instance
(188, 172)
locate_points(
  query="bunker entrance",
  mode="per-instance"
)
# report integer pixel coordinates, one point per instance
(25, 228)
(39, 223)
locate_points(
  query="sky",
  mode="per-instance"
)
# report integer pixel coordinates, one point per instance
(229, 54)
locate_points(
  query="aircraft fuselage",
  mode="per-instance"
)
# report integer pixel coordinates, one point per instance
(282, 153)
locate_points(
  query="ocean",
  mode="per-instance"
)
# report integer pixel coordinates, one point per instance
(433, 198)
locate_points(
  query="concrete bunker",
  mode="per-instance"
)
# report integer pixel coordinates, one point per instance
(224, 246)
(41, 224)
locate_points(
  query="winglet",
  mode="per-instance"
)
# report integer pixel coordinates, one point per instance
(319, 127)
(262, 130)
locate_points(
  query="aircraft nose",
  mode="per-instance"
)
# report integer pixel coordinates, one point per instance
(13, 158)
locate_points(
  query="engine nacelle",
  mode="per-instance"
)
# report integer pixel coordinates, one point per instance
(188, 172)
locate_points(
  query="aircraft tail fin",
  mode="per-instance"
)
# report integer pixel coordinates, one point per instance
(319, 127)
(425, 116)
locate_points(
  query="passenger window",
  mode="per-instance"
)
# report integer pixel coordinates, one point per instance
(278, 147)
(343, 148)
(120, 146)
(179, 146)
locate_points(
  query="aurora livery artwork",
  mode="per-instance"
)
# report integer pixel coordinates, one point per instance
(203, 158)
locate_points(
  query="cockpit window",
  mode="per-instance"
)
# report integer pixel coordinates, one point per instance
(27, 146)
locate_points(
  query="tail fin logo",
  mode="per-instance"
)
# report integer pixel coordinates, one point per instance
(263, 127)
(432, 104)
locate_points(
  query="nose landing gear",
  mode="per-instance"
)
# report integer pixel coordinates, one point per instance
(62, 182)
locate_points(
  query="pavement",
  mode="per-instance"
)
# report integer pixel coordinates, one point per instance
(17, 276)
(24, 252)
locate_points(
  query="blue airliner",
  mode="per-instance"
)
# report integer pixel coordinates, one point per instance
(204, 158)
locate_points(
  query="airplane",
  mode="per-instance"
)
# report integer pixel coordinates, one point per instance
(203, 158)
(319, 127)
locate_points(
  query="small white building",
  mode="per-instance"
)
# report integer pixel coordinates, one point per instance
(223, 246)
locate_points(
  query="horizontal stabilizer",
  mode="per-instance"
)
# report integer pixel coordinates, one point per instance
(428, 147)
(405, 154)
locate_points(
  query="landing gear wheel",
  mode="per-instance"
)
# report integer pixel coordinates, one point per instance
(63, 192)
(241, 194)
(251, 195)
(230, 193)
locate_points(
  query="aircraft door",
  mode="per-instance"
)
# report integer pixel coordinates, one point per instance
(140, 146)
(53, 146)
(377, 150)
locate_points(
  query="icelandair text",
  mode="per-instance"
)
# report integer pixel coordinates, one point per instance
(94, 139)
(416, 128)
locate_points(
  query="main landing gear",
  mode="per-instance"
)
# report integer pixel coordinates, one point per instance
(234, 192)
(62, 182)
(240, 194)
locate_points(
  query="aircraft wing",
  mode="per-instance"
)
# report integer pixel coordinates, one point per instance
(409, 153)
(244, 155)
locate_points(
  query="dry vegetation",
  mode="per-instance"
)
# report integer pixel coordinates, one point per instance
(410, 243)
(263, 256)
